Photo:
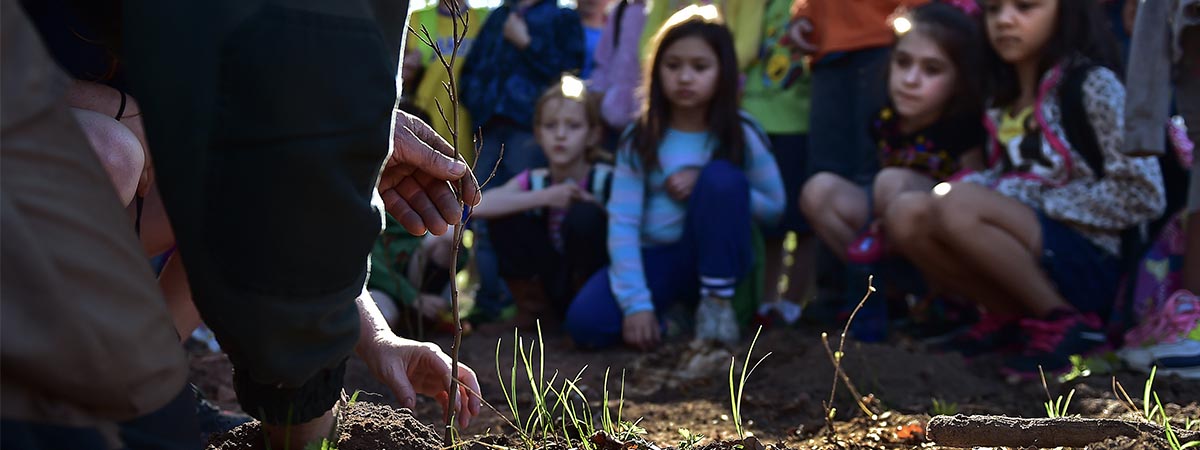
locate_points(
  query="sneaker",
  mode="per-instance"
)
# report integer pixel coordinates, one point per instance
(1174, 358)
(992, 333)
(1050, 342)
(777, 313)
(867, 249)
(715, 320)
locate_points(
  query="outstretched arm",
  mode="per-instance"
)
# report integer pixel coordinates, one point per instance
(410, 367)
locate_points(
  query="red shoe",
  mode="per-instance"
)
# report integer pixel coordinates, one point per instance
(867, 249)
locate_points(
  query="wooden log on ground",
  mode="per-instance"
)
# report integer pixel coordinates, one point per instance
(1000, 431)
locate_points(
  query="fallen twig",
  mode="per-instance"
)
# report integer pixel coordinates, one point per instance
(1000, 431)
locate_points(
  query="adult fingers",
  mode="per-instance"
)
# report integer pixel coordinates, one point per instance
(401, 387)
(403, 213)
(468, 377)
(468, 185)
(443, 198)
(418, 145)
(418, 199)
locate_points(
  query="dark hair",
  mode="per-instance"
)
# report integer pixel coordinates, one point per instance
(724, 121)
(959, 37)
(1080, 31)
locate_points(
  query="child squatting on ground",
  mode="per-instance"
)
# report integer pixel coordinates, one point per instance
(1034, 239)
(693, 175)
(927, 131)
(548, 223)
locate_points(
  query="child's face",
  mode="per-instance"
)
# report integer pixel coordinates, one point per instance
(921, 78)
(689, 73)
(1020, 29)
(563, 131)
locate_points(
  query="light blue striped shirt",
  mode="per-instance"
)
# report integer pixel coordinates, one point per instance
(642, 214)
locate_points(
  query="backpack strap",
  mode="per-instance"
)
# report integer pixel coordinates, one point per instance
(600, 182)
(539, 179)
(1076, 125)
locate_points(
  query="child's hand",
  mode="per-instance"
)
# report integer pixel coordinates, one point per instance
(561, 195)
(516, 31)
(680, 184)
(640, 330)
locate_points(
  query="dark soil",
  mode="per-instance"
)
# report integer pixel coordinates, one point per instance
(685, 386)
(364, 426)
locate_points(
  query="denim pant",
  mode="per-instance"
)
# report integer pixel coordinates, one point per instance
(847, 90)
(267, 164)
(715, 243)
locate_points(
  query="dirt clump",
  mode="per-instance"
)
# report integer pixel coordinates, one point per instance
(364, 426)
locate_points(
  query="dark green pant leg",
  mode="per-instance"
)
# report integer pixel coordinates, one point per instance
(268, 126)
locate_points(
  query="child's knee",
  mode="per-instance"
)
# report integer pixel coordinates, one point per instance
(816, 192)
(588, 325)
(907, 215)
(955, 208)
(890, 182)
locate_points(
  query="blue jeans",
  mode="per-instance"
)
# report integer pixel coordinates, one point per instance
(847, 91)
(521, 152)
(715, 243)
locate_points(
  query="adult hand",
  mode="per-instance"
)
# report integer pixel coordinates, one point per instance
(561, 195)
(796, 34)
(416, 180)
(409, 367)
(516, 31)
(640, 330)
(680, 184)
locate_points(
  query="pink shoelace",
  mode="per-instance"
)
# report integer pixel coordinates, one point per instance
(1168, 323)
